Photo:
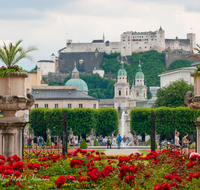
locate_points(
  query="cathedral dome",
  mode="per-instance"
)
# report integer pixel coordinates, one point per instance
(76, 81)
(139, 74)
(79, 83)
(122, 71)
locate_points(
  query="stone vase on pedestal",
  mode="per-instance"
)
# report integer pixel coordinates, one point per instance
(12, 99)
(194, 103)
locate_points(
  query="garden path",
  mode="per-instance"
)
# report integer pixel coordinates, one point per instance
(121, 151)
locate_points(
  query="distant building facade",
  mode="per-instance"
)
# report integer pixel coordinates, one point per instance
(62, 97)
(99, 71)
(176, 74)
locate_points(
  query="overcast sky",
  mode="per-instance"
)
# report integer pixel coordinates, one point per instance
(48, 23)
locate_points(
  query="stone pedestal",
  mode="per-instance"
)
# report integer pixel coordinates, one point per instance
(11, 138)
(197, 124)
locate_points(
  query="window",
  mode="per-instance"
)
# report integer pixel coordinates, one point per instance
(56, 105)
(80, 105)
(36, 105)
(127, 93)
(46, 105)
(69, 106)
(94, 106)
(144, 94)
(137, 94)
(140, 47)
(119, 92)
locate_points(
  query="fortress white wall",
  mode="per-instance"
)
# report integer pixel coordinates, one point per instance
(46, 67)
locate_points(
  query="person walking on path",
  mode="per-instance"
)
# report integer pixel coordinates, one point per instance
(119, 140)
(185, 143)
(109, 142)
(124, 142)
(177, 145)
(29, 142)
(40, 141)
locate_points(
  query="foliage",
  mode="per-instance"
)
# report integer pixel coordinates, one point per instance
(179, 63)
(149, 143)
(83, 144)
(173, 94)
(10, 69)
(107, 121)
(12, 54)
(140, 120)
(48, 143)
(81, 120)
(96, 143)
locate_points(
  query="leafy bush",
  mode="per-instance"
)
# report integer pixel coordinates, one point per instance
(81, 120)
(96, 142)
(48, 143)
(140, 120)
(149, 144)
(83, 144)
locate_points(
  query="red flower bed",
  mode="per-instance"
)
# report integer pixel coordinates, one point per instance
(94, 170)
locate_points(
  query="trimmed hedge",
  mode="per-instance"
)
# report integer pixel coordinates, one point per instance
(107, 121)
(83, 144)
(96, 143)
(140, 120)
(81, 120)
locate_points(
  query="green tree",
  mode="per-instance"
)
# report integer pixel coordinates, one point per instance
(173, 94)
(179, 63)
(12, 54)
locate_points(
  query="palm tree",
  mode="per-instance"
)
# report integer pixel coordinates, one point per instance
(11, 54)
(196, 56)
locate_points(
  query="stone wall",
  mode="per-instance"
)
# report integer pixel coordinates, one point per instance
(173, 55)
(90, 60)
(58, 77)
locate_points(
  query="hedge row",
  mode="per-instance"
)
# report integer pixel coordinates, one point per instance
(174, 118)
(81, 120)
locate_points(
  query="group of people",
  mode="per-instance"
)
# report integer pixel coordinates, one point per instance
(75, 141)
(184, 143)
(40, 142)
(111, 141)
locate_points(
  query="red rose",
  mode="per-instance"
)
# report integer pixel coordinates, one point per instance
(60, 181)
(19, 184)
(17, 174)
(70, 177)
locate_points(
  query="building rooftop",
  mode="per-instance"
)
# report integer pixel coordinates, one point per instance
(46, 61)
(97, 41)
(60, 94)
(98, 68)
(188, 69)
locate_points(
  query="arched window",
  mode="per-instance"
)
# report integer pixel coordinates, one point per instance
(119, 92)
(144, 94)
(137, 94)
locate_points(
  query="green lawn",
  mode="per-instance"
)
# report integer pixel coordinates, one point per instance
(143, 151)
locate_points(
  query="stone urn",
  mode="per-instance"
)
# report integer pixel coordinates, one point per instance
(12, 99)
(193, 102)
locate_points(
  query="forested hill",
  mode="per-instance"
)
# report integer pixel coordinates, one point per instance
(152, 62)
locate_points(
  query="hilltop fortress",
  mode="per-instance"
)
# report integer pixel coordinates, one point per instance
(90, 55)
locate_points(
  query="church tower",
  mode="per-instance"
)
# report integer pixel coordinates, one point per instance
(122, 89)
(139, 88)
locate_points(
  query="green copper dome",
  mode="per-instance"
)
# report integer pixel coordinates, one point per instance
(79, 83)
(139, 74)
(122, 71)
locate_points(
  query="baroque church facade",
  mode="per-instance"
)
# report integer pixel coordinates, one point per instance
(127, 97)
